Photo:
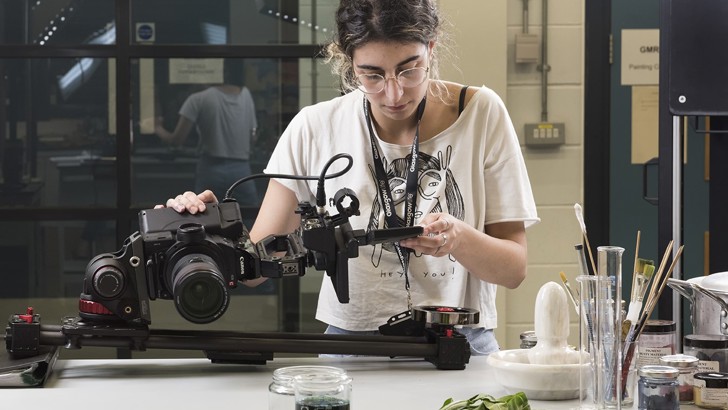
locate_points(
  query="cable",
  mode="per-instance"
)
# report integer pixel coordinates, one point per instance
(320, 194)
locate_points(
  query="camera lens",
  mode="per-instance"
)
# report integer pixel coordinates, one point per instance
(200, 293)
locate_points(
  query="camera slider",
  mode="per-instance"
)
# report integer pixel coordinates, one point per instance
(195, 259)
(440, 344)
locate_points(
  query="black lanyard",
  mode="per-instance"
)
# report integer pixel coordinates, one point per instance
(385, 194)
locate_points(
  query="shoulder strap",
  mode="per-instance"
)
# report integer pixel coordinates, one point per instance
(461, 104)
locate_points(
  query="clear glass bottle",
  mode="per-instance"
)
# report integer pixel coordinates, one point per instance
(657, 388)
(281, 394)
(687, 366)
(711, 351)
(319, 391)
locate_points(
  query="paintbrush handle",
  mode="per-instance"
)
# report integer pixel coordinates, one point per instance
(581, 258)
(591, 256)
(628, 353)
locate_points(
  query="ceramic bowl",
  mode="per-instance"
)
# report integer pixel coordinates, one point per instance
(538, 381)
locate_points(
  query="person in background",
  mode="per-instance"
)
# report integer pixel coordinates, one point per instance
(425, 151)
(224, 116)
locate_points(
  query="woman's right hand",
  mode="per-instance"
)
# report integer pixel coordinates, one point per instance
(190, 202)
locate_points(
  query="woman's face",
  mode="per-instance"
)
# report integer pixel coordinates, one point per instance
(388, 59)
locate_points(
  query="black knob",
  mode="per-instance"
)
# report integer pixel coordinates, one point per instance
(108, 282)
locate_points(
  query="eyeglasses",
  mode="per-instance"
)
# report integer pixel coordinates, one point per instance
(375, 83)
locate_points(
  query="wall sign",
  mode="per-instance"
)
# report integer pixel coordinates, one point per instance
(640, 57)
(145, 32)
(195, 71)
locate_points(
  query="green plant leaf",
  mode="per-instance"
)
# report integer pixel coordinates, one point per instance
(517, 401)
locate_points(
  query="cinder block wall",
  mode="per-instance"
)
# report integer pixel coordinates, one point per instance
(484, 38)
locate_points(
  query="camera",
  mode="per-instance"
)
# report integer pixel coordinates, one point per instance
(196, 259)
(192, 259)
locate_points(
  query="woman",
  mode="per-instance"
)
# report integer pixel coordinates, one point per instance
(426, 152)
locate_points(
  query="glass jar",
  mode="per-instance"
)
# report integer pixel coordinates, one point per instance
(319, 391)
(687, 366)
(711, 390)
(657, 388)
(528, 339)
(656, 340)
(281, 395)
(711, 351)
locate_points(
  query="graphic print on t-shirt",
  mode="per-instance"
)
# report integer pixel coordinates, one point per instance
(437, 191)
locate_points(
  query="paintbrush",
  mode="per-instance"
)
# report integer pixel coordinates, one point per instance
(640, 282)
(636, 328)
(636, 257)
(573, 295)
(660, 279)
(657, 287)
(580, 217)
(581, 258)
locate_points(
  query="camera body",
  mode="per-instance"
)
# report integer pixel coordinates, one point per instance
(193, 260)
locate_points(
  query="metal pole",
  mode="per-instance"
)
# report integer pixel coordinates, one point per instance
(677, 215)
(545, 68)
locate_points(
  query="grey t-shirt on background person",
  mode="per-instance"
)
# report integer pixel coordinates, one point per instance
(224, 122)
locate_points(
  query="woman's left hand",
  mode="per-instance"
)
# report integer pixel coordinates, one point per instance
(439, 237)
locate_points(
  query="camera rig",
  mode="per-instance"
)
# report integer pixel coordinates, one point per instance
(194, 259)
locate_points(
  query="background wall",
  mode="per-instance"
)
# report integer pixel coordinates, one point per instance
(483, 37)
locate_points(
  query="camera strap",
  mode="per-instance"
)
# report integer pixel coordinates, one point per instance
(385, 193)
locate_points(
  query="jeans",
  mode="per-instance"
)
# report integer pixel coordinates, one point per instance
(482, 341)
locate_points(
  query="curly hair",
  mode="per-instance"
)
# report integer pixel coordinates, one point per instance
(359, 22)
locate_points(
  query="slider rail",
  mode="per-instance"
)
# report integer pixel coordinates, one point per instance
(443, 346)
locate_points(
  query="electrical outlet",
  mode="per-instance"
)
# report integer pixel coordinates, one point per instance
(545, 134)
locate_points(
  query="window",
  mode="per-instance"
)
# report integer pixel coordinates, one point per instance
(79, 152)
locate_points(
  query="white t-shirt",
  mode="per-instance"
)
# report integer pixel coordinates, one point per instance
(224, 121)
(473, 170)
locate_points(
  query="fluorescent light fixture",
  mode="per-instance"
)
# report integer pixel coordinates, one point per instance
(214, 33)
(84, 68)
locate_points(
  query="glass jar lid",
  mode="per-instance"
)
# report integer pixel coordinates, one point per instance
(715, 380)
(658, 372)
(679, 360)
(659, 326)
(706, 341)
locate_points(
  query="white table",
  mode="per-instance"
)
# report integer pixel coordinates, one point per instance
(180, 384)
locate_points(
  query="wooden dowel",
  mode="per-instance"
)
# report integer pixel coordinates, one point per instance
(663, 283)
(651, 297)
